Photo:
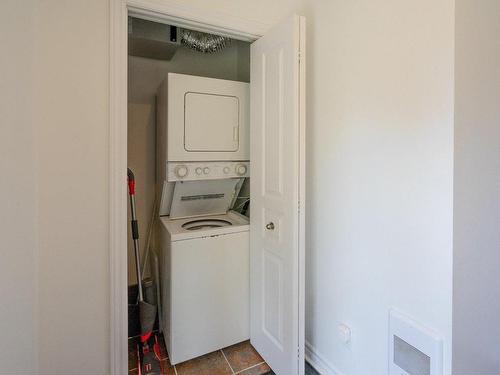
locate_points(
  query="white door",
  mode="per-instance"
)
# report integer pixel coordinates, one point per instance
(277, 191)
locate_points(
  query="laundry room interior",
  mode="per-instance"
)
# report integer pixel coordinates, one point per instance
(188, 155)
(145, 75)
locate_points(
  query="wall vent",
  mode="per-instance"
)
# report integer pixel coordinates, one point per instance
(413, 348)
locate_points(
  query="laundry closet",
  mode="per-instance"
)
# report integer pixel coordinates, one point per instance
(191, 151)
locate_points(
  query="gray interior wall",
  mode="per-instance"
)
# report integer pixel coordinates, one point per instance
(72, 175)
(145, 75)
(18, 213)
(476, 297)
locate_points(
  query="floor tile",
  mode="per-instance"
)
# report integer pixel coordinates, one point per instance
(163, 349)
(132, 353)
(261, 369)
(242, 356)
(310, 370)
(210, 364)
(168, 369)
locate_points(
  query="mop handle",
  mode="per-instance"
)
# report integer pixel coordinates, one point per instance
(135, 229)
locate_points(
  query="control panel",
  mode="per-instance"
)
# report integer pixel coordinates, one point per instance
(193, 171)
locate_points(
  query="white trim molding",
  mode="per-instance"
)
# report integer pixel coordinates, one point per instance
(319, 362)
(179, 13)
(118, 189)
(175, 12)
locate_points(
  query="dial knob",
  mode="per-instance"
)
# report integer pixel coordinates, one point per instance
(226, 170)
(206, 170)
(181, 171)
(241, 169)
(198, 170)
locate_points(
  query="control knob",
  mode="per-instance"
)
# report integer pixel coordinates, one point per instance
(181, 171)
(241, 169)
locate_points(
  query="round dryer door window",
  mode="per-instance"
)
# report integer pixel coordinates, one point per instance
(206, 224)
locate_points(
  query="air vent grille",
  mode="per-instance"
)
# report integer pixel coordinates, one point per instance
(413, 348)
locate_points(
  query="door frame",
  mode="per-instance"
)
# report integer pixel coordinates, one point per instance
(179, 13)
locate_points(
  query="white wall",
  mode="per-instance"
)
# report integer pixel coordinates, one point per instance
(476, 304)
(72, 171)
(144, 78)
(380, 159)
(18, 188)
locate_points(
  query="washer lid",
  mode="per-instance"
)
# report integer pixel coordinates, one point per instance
(198, 198)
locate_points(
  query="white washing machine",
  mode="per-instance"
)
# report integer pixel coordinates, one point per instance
(205, 283)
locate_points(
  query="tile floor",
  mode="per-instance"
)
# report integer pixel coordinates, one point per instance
(241, 359)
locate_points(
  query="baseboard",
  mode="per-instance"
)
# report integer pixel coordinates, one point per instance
(318, 362)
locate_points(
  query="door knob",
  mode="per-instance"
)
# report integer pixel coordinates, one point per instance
(270, 226)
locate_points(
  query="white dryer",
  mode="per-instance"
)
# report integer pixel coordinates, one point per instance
(202, 131)
(203, 119)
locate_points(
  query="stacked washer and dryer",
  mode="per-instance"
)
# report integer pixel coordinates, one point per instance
(202, 162)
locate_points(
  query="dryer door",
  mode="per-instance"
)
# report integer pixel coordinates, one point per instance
(211, 122)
